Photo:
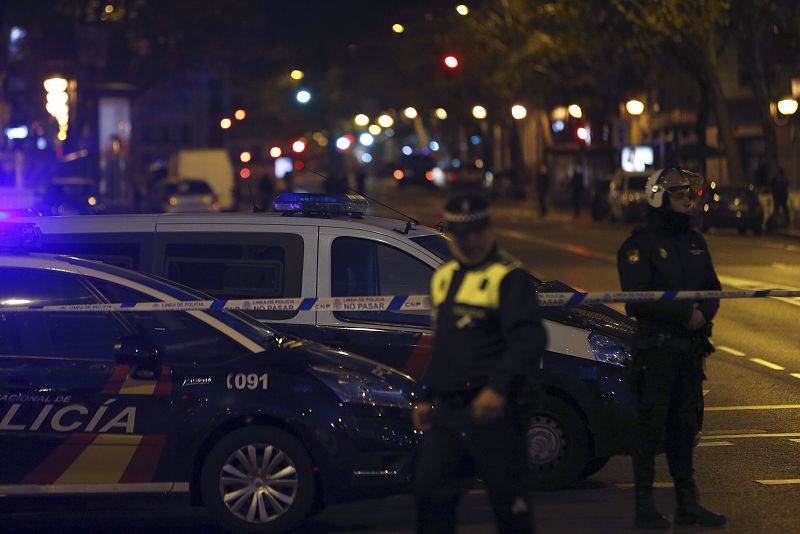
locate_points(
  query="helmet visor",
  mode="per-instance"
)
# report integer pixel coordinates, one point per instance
(679, 178)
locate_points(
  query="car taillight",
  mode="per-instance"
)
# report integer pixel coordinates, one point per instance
(429, 176)
(451, 176)
(398, 174)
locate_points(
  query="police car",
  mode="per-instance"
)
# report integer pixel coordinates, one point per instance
(326, 246)
(261, 428)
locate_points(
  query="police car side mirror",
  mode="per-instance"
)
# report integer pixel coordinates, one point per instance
(142, 355)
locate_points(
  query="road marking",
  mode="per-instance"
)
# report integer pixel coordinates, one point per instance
(729, 350)
(765, 363)
(629, 485)
(574, 249)
(747, 284)
(740, 436)
(779, 482)
(796, 440)
(714, 444)
(754, 407)
(796, 375)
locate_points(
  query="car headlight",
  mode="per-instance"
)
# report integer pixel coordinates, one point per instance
(609, 350)
(357, 388)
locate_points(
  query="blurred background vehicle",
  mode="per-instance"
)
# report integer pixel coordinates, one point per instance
(182, 196)
(732, 207)
(415, 169)
(71, 196)
(468, 176)
(626, 197)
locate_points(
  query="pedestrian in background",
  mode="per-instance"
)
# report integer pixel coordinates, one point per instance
(576, 185)
(543, 188)
(488, 340)
(671, 344)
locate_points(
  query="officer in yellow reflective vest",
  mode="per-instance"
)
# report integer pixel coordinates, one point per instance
(488, 340)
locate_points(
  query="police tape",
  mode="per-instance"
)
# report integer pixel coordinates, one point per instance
(404, 303)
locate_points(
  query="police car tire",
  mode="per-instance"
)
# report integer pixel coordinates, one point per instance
(559, 419)
(219, 454)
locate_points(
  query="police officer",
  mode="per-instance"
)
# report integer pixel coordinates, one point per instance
(489, 336)
(672, 342)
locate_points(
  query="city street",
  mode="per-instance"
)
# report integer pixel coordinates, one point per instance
(747, 461)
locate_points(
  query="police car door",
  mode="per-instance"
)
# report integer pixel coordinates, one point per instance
(66, 424)
(368, 263)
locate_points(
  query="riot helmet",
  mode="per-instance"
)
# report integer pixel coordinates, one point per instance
(663, 181)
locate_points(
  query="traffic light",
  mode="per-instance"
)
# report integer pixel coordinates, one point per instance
(582, 133)
(451, 62)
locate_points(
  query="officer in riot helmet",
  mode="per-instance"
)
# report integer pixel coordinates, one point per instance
(665, 253)
(488, 339)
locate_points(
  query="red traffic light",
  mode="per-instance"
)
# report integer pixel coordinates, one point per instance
(451, 62)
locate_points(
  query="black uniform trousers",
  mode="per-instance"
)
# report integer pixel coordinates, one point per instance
(452, 450)
(669, 383)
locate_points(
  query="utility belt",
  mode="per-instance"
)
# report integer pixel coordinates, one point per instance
(456, 400)
(698, 344)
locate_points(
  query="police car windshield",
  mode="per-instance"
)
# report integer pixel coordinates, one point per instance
(242, 322)
(436, 243)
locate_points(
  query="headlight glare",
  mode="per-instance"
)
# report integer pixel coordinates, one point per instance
(609, 350)
(357, 388)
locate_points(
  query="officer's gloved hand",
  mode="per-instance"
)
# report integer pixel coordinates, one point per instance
(489, 404)
(421, 416)
(698, 320)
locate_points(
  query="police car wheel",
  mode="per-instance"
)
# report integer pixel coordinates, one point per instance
(557, 445)
(258, 480)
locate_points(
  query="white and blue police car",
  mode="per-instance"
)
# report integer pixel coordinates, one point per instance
(326, 246)
(259, 427)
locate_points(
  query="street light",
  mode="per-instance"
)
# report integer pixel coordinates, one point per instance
(245, 157)
(385, 121)
(299, 145)
(519, 111)
(225, 123)
(575, 111)
(361, 120)
(398, 28)
(462, 10)
(303, 96)
(634, 107)
(410, 112)
(787, 106)
(275, 152)
(441, 113)
(366, 139)
(239, 114)
(451, 62)
(297, 74)
(479, 112)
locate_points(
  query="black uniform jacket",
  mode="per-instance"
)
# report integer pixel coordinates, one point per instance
(488, 327)
(661, 255)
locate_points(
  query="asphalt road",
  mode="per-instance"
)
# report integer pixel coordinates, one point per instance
(748, 465)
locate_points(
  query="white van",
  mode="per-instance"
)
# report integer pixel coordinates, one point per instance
(212, 165)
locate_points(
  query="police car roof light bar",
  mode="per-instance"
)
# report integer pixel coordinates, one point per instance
(320, 204)
(19, 236)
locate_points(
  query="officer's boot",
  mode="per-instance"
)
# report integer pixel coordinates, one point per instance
(690, 512)
(647, 515)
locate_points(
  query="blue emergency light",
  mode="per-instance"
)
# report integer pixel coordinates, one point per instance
(319, 204)
(19, 236)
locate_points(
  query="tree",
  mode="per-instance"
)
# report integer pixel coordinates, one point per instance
(690, 31)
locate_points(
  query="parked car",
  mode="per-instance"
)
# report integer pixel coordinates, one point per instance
(469, 176)
(259, 427)
(627, 198)
(324, 246)
(732, 207)
(182, 196)
(70, 196)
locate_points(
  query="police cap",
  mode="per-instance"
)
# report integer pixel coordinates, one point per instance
(466, 213)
